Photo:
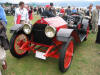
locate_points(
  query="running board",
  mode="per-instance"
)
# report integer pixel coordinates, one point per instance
(82, 37)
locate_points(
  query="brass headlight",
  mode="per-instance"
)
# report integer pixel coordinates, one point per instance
(27, 28)
(50, 31)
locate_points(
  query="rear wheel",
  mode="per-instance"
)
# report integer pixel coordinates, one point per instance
(66, 55)
(17, 40)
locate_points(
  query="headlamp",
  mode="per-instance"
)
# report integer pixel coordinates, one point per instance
(50, 31)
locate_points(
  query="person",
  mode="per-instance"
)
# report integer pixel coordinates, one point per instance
(31, 13)
(4, 43)
(13, 10)
(94, 19)
(3, 15)
(34, 10)
(74, 10)
(52, 9)
(68, 11)
(81, 11)
(98, 33)
(62, 10)
(27, 7)
(89, 13)
(21, 14)
(40, 10)
(47, 12)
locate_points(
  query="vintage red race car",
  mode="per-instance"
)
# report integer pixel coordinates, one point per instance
(55, 34)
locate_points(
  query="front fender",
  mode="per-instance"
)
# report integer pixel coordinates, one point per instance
(16, 28)
(64, 34)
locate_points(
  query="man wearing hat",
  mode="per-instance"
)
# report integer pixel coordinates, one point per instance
(52, 9)
(47, 12)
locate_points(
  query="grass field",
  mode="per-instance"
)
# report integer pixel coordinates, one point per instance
(86, 60)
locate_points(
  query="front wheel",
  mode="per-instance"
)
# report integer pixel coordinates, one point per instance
(66, 55)
(17, 40)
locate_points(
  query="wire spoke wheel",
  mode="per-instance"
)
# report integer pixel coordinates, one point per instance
(19, 41)
(16, 42)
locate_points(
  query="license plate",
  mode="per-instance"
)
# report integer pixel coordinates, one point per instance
(40, 55)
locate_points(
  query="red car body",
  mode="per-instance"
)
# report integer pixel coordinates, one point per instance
(63, 40)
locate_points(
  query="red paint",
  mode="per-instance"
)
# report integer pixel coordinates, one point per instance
(20, 43)
(16, 43)
(87, 31)
(64, 26)
(41, 44)
(56, 42)
(25, 46)
(79, 26)
(76, 37)
(41, 21)
(68, 55)
(49, 49)
(56, 22)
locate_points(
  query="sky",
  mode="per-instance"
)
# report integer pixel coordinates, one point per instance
(27, 1)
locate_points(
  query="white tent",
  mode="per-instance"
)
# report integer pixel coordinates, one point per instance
(14, 1)
(78, 3)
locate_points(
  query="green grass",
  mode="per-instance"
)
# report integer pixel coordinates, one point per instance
(86, 60)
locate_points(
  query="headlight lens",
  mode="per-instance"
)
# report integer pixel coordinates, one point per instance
(50, 31)
(27, 28)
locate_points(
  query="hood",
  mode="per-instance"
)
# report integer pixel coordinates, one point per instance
(56, 22)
